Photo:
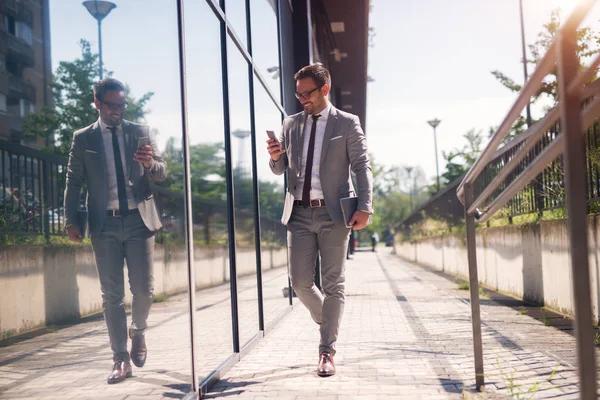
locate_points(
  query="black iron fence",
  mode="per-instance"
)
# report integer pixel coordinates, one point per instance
(545, 193)
(444, 206)
(31, 190)
(32, 185)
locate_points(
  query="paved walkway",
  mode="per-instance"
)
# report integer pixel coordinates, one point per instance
(406, 333)
(74, 361)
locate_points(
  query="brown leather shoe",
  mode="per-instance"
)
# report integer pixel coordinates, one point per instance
(121, 371)
(138, 350)
(326, 366)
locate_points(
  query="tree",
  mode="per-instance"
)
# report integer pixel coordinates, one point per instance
(73, 107)
(207, 165)
(588, 45)
(459, 161)
(395, 194)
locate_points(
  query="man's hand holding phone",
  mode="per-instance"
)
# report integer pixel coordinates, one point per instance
(144, 152)
(274, 146)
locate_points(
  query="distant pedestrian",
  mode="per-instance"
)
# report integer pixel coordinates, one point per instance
(374, 240)
(351, 246)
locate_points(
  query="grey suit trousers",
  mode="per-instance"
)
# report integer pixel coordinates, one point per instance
(124, 238)
(310, 232)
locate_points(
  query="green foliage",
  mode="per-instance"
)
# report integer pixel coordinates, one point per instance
(207, 165)
(73, 106)
(522, 310)
(18, 238)
(459, 161)
(588, 44)
(160, 298)
(397, 191)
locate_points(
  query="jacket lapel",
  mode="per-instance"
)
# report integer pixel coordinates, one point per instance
(329, 129)
(97, 144)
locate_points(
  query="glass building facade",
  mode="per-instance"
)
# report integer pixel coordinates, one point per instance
(209, 77)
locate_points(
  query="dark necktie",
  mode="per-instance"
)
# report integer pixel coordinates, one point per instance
(123, 206)
(309, 163)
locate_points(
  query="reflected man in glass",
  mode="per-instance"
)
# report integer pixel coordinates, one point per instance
(318, 148)
(117, 159)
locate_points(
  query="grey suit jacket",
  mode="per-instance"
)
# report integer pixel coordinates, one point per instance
(87, 163)
(344, 149)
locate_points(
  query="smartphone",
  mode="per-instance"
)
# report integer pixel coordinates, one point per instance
(271, 135)
(143, 141)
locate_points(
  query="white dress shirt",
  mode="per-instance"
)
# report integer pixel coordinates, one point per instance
(113, 191)
(316, 190)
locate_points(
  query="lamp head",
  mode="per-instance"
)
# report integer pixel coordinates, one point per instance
(99, 8)
(434, 122)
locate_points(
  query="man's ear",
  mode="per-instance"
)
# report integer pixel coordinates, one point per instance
(326, 89)
(97, 104)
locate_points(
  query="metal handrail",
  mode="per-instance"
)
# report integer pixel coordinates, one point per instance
(545, 66)
(575, 121)
(587, 92)
(588, 118)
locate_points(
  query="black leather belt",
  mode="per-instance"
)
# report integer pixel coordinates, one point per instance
(313, 203)
(118, 213)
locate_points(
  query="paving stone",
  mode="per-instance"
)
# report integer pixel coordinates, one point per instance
(406, 333)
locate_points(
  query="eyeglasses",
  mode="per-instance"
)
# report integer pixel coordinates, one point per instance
(306, 95)
(115, 106)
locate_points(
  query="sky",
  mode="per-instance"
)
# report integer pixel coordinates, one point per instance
(430, 59)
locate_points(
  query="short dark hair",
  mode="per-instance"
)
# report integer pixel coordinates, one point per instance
(317, 72)
(106, 84)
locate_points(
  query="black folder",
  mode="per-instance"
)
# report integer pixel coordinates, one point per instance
(349, 205)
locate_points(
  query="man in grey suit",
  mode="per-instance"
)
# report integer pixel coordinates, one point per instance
(318, 148)
(117, 158)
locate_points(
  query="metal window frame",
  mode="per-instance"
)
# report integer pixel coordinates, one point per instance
(189, 226)
(226, 30)
(571, 144)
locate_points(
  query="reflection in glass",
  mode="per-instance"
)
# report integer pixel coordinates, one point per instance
(49, 61)
(45, 95)
(265, 43)
(235, 12)
(209, 203)
(271, 194)
(241, 148)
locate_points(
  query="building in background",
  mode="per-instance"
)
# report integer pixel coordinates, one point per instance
(25, 69)
(339, 34)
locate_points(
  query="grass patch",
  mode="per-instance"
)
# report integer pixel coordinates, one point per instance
(8, 334)
(464, 285)
(544, 318)
(520, 392)
(522, 310)
(159, 298)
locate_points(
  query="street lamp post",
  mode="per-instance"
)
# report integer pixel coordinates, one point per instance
(528, 110)
(410, 193)
(99, 10)
(434, 123)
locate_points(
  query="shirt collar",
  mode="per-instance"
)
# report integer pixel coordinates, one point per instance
(324, 115)
(104, 127)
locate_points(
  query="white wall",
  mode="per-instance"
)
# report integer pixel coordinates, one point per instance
(42, 285)
(529, 261)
